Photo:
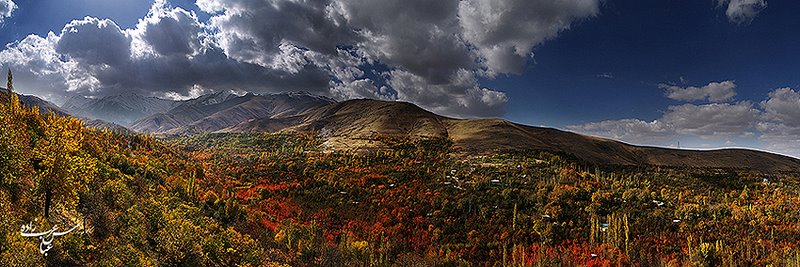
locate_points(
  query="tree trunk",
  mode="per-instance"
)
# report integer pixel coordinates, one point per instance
(48, 196)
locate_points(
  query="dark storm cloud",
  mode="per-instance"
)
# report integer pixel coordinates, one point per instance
(94, 41)
(174, 54)
(171, 32)
(210, 69)
(433, 51)
(505, 32)
(421, 36)
(167, 53)
(253, 31)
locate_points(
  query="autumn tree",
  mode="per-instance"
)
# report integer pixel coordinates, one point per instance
(63, 164)
(12, 153)
(13, 136)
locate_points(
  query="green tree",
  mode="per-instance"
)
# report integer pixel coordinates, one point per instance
(9, 85)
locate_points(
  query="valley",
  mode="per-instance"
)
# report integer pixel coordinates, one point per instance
(396, 133)
(357, 125)
(288, 198)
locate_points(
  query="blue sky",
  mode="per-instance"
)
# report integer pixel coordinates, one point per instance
(645, 43)
(42, 16)
(706, 73)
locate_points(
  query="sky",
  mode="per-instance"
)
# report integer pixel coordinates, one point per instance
(702, 73)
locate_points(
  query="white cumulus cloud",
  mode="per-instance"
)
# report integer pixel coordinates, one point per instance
(742, 11)
(6, 8)
(713, 121)
(713, 92)
(773, 124)
(629, 130)
(780, 125)
(710, 122)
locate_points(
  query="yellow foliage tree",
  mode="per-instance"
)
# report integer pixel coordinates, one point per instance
(62, 164)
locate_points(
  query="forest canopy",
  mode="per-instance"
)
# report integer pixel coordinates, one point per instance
(260, 199)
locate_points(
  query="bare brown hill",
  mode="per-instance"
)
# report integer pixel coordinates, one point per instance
(354, 124)
(218, 112)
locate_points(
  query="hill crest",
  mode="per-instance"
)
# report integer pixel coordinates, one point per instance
(354, 124)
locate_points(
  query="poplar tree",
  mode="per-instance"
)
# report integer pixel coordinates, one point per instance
(9, 85)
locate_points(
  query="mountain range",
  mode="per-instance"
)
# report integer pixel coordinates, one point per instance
(44, 105)
(220, 111)
(120, 109)
(358, 124)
